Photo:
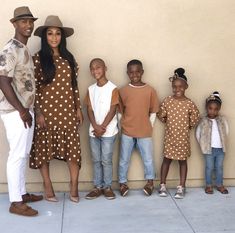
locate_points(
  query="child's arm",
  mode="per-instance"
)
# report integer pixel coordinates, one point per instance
(99, 130)
(109, 116)
(226, 126)
(162, 113)
(198, 132)
(113, 109)
(194, 116)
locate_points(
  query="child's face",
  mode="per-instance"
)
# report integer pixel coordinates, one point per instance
(98, 70)
(178, 87)
(212, 109)
(135, 73)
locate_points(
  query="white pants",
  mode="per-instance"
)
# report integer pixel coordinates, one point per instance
(20, 141)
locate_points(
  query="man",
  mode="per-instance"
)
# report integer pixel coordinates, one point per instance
(17, 93)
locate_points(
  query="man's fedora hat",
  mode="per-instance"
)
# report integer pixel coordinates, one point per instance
(53, 21)
(22, 12)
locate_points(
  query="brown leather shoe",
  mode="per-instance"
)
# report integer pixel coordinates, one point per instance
(124, 189)
(109, 194)
(94, 193)
(22, 209)
(31, 197)
(222, 189)
(148, 188)
(209, 190)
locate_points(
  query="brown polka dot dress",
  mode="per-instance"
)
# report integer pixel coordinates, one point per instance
(57, 102)
(180, 116)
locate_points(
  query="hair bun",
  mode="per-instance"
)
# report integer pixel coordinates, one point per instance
(216, 93)
(180, 71)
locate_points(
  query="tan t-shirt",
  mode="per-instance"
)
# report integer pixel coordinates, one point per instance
(16, 63)
(137, 102)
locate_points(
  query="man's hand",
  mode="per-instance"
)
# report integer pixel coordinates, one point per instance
(26, 117)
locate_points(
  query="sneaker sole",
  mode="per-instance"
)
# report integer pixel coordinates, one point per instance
(178, 197)
(147, 194)
(90, 198)
(163, 195)
(110, 198)
(125, 193)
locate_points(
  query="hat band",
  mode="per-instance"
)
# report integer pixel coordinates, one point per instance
(24, 15)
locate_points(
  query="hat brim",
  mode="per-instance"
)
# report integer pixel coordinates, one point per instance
(67, 31)
(25, 17)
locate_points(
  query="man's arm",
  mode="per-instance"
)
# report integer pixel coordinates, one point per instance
(8, 91)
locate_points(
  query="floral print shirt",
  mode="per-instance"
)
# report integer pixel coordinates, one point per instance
(16, 63)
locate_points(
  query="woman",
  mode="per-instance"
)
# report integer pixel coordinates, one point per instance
(57, 106)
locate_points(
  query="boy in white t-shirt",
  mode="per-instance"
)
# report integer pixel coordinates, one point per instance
(102, 100)
(211, 134)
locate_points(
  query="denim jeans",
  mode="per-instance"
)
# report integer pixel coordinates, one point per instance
(145, 146)
(214, 162)
(102, 157)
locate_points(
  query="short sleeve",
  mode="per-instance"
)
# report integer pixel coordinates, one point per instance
(8, 61)
(154, 102)
(115, 97)
(194, 116)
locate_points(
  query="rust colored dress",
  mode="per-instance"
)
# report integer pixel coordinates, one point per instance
(179, 116)
(57, 102)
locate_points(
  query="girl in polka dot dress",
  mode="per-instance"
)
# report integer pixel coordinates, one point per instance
(180, 115)
(57, 107)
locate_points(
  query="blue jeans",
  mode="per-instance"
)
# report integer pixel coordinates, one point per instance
(102, 156)
(214, 161)
(145, 147)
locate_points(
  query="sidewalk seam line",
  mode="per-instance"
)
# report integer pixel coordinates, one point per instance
(181, 212)
(62, 217)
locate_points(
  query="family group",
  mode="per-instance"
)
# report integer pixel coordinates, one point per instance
(40, 108)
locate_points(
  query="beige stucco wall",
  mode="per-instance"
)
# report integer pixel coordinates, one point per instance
(165, 34)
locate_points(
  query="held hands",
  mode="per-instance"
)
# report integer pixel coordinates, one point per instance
(99, 130)
(40, 120)
(26, 117)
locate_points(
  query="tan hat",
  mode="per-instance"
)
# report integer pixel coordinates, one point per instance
(22, 12)
(53, 21)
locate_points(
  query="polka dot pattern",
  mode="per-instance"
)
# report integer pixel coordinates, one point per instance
(180, 116)
(61, 139)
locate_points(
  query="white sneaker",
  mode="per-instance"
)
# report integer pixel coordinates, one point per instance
(162, 191)
(180, 192)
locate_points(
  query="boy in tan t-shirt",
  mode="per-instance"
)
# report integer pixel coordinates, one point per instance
(139, 104)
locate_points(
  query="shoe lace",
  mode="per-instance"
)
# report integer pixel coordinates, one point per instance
(123, 187)
(163, 188)
(179, 189)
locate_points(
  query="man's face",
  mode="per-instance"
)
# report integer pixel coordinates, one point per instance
(24, 27)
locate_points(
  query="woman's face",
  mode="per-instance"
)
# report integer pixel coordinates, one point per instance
(53, 37)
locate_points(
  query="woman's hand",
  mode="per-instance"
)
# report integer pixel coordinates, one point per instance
(40, 120)
(80, 116)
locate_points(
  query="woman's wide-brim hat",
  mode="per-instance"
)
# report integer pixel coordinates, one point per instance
(53, 21)
(22, 12)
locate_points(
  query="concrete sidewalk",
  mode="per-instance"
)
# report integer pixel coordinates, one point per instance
(136, 213)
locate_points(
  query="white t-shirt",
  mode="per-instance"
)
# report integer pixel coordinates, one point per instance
(215, 137)
(100, 98)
